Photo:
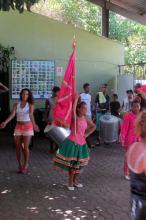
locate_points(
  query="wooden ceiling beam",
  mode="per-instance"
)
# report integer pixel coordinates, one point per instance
(131, 15)
(138, 17)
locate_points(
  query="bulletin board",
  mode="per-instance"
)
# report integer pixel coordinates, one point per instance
(36, 75)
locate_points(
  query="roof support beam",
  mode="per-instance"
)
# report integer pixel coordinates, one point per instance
(131, 15)
(105, 16)
(105, 21)
(101, 3)
(138, 17)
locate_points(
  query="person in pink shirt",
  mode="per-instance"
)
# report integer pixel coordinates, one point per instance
(128, 135)
(73, 154)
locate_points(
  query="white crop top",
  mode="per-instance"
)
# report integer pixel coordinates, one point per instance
(22, 113)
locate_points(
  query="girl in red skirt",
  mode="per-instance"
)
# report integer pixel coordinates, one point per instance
(24, 129)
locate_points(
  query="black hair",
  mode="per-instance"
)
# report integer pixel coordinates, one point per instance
(56, 89)
(85, 85)
(135, 102)
(79, 105)
(30, 99)
(115, 95)
(105, 84)
(129, 91)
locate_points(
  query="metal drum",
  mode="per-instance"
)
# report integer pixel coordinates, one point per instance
(57, 134)
(109, 128)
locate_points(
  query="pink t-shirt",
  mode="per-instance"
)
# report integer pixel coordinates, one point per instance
(81, 126)
(128, 135)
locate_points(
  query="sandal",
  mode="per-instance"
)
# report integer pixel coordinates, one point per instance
(78, 185)
(24, 170)
(71, 188)
(127, 177)
(19, 170)
(92, 146)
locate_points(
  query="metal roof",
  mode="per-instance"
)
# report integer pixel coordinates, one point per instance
(132, 9)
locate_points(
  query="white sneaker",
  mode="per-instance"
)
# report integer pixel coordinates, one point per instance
(127, 177)
(71, 188)
(78, 185)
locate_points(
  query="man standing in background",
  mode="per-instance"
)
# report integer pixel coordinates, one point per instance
(102, 105)
(126, 105)
(86, 97)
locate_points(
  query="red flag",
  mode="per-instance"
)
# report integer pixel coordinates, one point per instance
(62, 112)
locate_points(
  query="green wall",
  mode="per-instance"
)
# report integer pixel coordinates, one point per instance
(37, 37)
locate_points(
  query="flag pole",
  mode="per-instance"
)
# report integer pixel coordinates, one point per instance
(74, 48)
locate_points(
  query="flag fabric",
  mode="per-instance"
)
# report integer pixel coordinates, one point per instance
(63, 111)
(142, 88)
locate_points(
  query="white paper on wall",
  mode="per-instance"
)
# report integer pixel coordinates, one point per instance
(36, 75)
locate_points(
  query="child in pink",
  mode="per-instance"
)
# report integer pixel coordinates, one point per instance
(73, 154)
(128, 135)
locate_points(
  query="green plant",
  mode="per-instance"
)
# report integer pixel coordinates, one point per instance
(6, 5)
(6, 54)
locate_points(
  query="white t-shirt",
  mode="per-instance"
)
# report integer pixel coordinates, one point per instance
(23, 113)
(86, 97)
(127, 104)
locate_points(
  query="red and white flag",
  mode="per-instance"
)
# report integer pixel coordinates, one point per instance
(63, 111)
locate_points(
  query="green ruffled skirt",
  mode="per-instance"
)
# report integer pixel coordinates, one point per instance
(71, 157)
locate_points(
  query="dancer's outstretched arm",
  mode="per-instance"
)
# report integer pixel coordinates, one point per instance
(3, 88)
(11, 116)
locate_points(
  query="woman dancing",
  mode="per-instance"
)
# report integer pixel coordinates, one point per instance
(24, 129)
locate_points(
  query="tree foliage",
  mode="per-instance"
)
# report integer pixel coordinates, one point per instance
(79, 13)
(83, 14)
(132, 35)
(6, 5)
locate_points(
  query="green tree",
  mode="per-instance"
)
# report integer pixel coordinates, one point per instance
(6, 5)
(79, 13)
(85, 15)
(82, 14)
(132, 35)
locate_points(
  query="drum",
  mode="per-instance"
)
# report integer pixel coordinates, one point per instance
(109, 128)
(57, 134)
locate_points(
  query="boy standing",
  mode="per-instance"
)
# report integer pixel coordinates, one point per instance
(115, 105)
(86, 97)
